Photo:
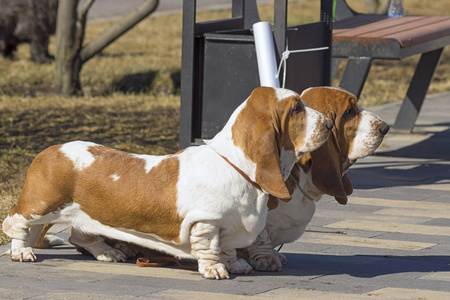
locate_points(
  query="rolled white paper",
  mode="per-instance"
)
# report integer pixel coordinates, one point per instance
(265, 54)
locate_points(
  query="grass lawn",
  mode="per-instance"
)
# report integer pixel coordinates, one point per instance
(131, 92)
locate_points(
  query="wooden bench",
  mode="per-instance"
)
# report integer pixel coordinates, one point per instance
(363, 37)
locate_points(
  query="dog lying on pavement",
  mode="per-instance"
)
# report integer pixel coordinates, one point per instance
(203, 202)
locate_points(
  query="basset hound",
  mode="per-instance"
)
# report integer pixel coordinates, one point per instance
(357, 134)
(203, 202)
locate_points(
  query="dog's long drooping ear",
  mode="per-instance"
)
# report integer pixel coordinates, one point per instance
(268, 171)
(327, 173)
(259, 141)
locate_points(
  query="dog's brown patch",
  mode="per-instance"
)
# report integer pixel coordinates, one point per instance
(140, 201)
(144, 202)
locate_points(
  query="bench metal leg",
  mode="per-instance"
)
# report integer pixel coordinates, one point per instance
(355, 74)
(407, 116)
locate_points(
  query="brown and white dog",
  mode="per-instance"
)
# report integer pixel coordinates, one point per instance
(357, 134)
(203, 202)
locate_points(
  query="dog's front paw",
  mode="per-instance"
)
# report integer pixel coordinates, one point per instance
(111, 255)
(23, 254)
(216, 271)
(269, 262)
(240, 266)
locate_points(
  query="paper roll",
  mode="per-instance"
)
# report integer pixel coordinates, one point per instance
(265, 54)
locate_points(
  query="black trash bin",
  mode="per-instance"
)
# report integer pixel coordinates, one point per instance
(219, 65)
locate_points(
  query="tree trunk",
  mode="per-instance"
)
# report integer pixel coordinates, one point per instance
(119, 28)
(70, 29)
(67, 79)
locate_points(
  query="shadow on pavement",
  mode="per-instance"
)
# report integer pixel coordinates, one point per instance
(436, 147)
(420, 163)
(363, 266)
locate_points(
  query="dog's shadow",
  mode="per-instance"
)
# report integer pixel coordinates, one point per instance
(303, 265)
(361, 266)
(64, 253)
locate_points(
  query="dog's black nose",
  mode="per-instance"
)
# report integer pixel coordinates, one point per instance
(329, 125)
(384, 129)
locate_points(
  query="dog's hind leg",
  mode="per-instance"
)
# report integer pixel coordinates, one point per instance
(96, 245)
(24, 234)
(47, 190)
(44, 241)
(18, 228)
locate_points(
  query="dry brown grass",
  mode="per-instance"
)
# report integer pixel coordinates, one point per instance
(132, 92)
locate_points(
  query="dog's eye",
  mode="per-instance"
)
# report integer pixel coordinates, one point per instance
(297, 108)
(348, 111)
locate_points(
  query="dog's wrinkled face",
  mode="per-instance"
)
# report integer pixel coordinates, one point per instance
(357, 134)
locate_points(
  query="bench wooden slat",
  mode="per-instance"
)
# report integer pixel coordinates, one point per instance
(352, 29)
(422, 34)
(408, 31)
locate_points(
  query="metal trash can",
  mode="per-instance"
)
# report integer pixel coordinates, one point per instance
(219, 65)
